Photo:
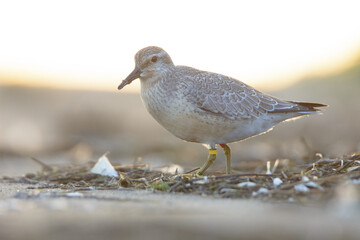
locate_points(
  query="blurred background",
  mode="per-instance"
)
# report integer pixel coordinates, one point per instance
(61, 63)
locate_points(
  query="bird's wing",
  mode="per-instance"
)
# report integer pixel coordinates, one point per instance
(233, 99)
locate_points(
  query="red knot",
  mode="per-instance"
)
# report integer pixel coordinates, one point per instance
(205, 107)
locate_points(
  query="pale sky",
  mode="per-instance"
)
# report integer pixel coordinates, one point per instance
(91, 44)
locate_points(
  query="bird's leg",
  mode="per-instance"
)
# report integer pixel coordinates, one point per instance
(227, 152)
(210, 160)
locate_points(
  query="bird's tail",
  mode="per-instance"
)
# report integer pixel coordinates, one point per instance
(308, 108)
(302, 108)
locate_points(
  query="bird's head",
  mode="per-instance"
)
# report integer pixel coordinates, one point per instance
(150, 64)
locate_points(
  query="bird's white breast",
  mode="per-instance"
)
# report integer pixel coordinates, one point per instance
(168, 107)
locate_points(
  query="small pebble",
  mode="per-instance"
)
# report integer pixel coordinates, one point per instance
(277, 181)
(262, 190)
(246, 184)
(305, 179)
(312, 184)
(200, 182)
(301, 188)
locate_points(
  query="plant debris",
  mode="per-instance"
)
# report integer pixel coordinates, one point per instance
(285, 183)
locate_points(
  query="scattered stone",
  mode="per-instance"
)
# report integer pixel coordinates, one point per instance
(277, 181)
(301, 188)
(246, 184)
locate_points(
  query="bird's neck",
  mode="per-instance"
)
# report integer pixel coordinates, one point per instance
(152, 78)
(150, 81)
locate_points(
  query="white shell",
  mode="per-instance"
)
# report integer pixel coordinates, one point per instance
(103, 167)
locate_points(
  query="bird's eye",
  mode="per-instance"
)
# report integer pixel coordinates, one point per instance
(154, 59)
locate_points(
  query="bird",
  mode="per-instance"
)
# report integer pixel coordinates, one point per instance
(205, 107)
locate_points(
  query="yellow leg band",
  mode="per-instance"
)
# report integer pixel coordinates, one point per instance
(212, 151)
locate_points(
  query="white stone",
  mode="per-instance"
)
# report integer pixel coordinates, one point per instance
(277, 181)
(301, 188)
(246, 184)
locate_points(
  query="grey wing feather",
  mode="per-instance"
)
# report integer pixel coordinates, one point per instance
(231, 98)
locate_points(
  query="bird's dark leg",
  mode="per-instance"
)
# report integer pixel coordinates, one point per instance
(227, 152)
(210, 160)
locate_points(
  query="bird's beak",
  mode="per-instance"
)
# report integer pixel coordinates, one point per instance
(132, 76)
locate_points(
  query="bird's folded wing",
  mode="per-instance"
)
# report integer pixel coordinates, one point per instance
(231, 98)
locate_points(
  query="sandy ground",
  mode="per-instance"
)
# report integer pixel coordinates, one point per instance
(27, 213)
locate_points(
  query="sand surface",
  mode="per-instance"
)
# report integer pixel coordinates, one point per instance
(27, 213)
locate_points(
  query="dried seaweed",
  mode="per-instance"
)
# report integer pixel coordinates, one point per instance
(310, 183)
